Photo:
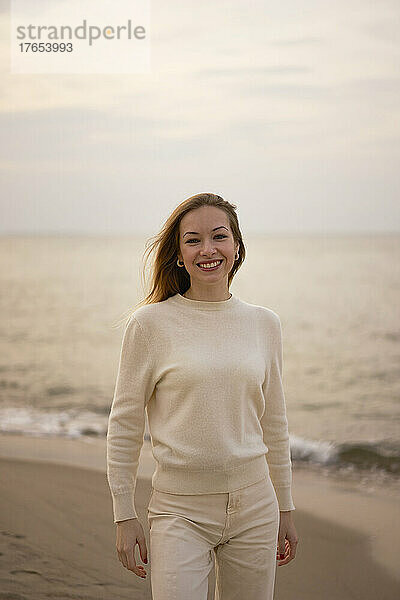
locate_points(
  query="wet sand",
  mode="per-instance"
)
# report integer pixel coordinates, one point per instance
(57, 536)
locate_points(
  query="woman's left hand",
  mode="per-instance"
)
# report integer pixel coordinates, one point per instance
(287, 539)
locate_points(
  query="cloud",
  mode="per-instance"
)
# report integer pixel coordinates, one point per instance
(303, 99)
(250, 71)
(5, 7)
(388, 85)
(299, 41)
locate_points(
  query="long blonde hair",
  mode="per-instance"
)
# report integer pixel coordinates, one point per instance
(166, 278)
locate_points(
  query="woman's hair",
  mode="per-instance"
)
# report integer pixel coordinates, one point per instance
(166, 278)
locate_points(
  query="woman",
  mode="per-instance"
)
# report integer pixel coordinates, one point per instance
(207, 368)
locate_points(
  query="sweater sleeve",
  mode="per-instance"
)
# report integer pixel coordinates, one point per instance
(126, 423)
(275, 425)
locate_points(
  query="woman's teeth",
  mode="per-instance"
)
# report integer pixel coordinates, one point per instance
(212, 265)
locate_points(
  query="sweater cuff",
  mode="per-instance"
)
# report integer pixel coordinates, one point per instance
(123, 506)
(285, 499)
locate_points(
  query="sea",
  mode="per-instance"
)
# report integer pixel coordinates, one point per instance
(65, 299)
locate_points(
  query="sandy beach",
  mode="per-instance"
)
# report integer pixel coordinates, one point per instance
(57, 537)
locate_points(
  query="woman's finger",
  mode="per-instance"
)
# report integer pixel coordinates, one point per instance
(137, 569)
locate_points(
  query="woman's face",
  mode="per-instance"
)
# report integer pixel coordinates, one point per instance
(204, 236)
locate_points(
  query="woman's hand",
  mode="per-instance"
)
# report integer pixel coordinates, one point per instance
(287, 539)
(129, 533)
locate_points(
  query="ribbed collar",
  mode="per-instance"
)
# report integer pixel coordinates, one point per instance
(205, 304)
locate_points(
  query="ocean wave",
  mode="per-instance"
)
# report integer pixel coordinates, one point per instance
(77, 423)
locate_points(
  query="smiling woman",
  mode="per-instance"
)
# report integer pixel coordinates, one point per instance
(206, 367)
(213, 251)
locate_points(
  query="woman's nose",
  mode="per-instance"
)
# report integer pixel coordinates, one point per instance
(208, 250)
(208, 247)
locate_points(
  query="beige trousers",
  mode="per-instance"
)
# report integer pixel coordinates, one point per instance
(240, 528)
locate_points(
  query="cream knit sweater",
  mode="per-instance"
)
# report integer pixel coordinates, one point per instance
(209, 375)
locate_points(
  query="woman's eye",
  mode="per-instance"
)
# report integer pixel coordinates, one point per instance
(220, 235)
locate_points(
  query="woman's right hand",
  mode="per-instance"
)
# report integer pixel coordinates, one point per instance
(129, 533)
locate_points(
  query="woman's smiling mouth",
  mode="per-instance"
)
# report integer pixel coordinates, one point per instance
(214, 265)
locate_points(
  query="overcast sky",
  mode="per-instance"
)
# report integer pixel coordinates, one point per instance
(290, 110)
